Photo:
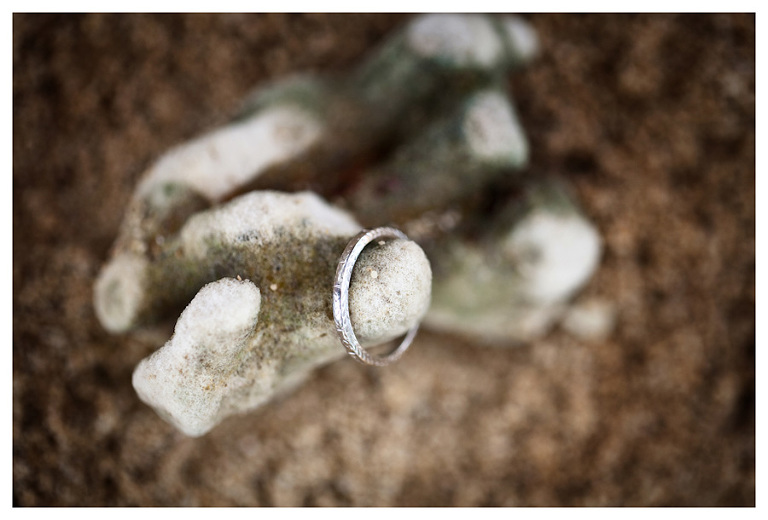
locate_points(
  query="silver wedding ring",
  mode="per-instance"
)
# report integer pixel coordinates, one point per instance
(341, 299)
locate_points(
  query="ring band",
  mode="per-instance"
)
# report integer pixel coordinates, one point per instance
(341, 299)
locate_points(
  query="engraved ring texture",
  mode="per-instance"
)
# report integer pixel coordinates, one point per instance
(341, 299)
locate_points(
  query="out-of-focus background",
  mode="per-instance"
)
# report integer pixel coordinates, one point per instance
(650, 117)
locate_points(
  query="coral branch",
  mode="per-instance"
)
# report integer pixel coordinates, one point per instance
(511, 283)
(306, 131)
(221, 359)
(446, 165)
(259, 268)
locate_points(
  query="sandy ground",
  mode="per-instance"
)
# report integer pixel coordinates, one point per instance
(652, 118)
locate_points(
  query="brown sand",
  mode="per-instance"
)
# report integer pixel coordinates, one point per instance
(651, 117)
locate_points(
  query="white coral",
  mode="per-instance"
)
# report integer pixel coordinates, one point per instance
(555, 253)
(493, 131)
(464, 39)
(187, 380)
(221, 161)
(235, 347)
